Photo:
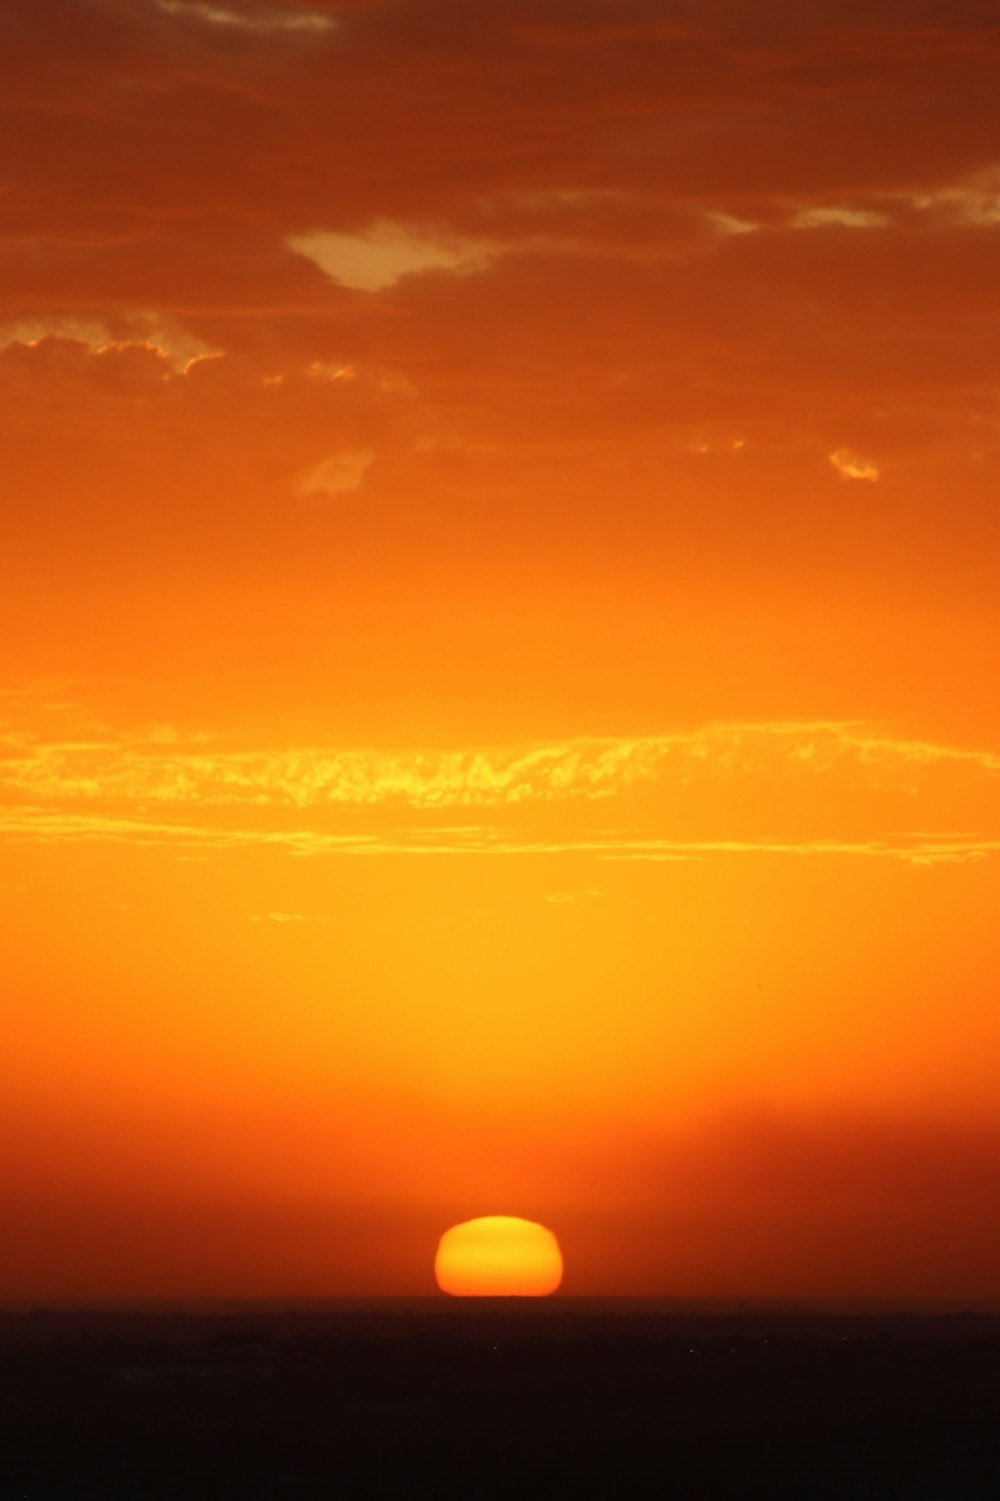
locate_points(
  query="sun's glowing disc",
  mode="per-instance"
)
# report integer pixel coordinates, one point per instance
(498, 1256)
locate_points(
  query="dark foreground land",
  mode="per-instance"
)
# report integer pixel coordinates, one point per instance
(493, 1400)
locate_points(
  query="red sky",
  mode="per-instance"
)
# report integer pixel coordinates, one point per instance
(496, 643)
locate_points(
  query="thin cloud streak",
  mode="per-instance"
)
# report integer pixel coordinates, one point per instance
(37, 825)
(380, 258)
(267, 20)
(851, 466)
(586, 769)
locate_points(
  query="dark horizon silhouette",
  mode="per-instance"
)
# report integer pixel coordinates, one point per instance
(497, 1400)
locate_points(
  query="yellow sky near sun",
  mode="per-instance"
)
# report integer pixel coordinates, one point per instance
(386, 980)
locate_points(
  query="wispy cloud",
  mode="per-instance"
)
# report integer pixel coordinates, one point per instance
(731, 224)
(812, 788)
(822, 217)
(177, 347)
(975, 202)
(135, 770)
(385, 253)
(336, 475)
(255, 19)
(40, 825)
(284, 918)
(851, 466)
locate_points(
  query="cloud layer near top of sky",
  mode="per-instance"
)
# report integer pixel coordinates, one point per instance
(607, 126)
(544, 217)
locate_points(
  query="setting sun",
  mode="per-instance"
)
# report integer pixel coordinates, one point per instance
(498, 1256)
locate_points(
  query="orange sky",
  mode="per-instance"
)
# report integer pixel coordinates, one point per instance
(498, 637)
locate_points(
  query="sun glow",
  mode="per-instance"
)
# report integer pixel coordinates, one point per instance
(498, 1256)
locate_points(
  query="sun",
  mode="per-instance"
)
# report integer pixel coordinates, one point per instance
(498, 1256)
